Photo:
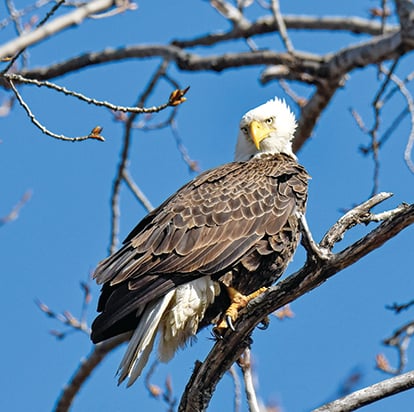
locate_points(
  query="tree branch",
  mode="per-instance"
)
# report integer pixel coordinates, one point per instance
(85, 369)
(226, 351)
(268, 24)
(60, 23)
(370, 394)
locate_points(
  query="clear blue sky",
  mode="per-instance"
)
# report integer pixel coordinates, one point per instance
(63, 231)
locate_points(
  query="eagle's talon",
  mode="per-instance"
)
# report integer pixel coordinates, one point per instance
(264, 323)
(216, 334)
(229, 322)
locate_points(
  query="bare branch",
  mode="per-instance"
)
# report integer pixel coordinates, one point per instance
(355, 216)
(370, 394)
(116, 108)
(157, 392)
(299, 100)
(17, 24)
(66, 317)
(45, 130)
(22, 12)
(227, 350)
(311, 112)
(331, 67)
(400, 340)
(125, 155)
(399, 307)
(268, 24)
(60, 23)
(138, 193)
(84, 370)
(230, 12)
(184, 60)
(237, 388)
(14, 213)
(246, 367)
(281, 25)
(192, 164)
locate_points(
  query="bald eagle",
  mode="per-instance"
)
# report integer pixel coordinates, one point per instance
(230, 231)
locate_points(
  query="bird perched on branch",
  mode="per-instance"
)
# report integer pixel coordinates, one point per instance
(208, 249)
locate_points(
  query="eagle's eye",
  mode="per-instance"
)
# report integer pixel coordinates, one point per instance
(269, 120)
(244, 130)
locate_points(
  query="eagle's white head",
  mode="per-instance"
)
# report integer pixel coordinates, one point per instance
(268, 128)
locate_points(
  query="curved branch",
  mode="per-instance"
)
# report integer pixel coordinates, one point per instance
(267, 24)
(370, 394)
(185, 61)
(225, 352)
(329, 67)
(311, 112)
(84, 370)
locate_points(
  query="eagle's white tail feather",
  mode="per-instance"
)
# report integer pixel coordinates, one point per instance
(142, 341)
(189, 305)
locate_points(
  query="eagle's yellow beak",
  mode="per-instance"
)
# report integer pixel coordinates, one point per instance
(258, 131)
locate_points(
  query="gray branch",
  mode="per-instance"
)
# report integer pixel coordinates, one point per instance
(370, 394)
(225, 352)
(86, 367)
(58, 24)
(267, 24)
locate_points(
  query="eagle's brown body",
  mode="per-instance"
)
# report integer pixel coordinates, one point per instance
(238, 222)
(236, 225)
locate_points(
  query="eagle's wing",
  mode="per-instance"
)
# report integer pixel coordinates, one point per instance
(206, 228)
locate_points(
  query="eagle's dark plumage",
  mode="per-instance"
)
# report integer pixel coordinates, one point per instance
(236, 225)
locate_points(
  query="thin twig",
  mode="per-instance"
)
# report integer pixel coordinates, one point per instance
(18, 26)
(393, 126)
(14, 213)
(20, 13)
(122, 166)
(237, 388)
(399, 307)
(167, 394)
(400, 340)
(281, 26)
(84, 370)
(192, 164)
(121, 7)
(49, 14)
(410, 106)
(44, 129)
(377, 105)
(89, 100)
(360, 123)
(246, 367)
(370, 394)
(299, 100)
(230, 12)
(138, 193)
(66, 317)
(14, 46)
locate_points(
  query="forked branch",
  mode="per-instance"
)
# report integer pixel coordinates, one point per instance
(225, 352)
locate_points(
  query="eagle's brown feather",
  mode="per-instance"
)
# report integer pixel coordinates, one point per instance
(238, 220)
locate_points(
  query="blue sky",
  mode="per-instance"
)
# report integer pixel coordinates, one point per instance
(63, 231)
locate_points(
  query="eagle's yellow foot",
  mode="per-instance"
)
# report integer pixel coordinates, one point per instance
(238, 302)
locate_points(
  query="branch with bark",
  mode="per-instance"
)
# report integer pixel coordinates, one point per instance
(324, 74)
(319, 267)
(316, 271)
